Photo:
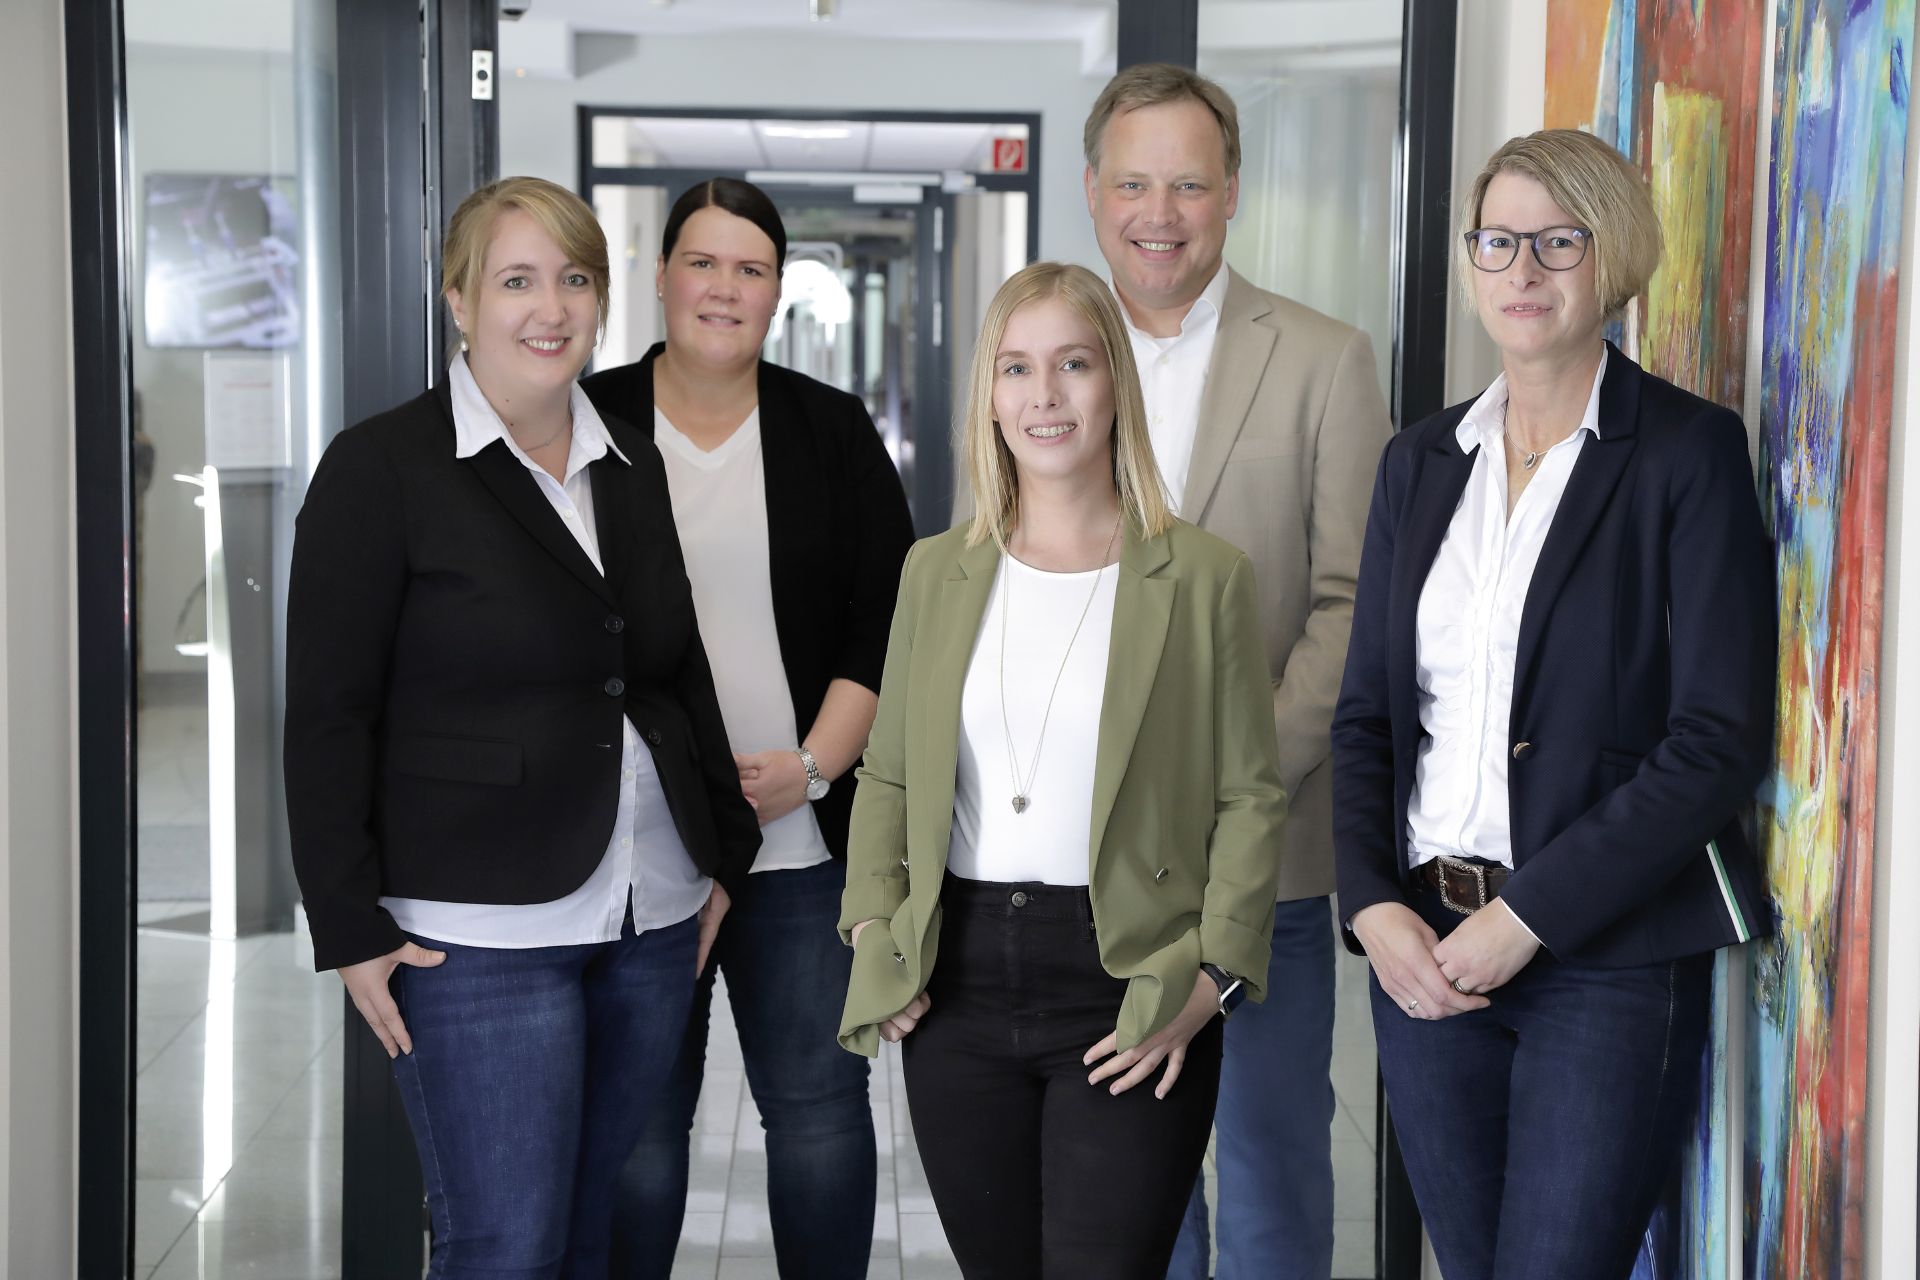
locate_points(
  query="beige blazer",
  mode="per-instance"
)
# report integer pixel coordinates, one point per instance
(1187, 805)
(1292, 423)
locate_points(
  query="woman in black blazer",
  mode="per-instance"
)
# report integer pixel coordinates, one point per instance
(1558, 702)
(509, 786)
(795, 527)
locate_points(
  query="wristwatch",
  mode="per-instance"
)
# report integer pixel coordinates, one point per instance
(1233, 989)
(816, 785)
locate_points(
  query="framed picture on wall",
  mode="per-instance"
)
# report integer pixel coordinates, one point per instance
(222, 269)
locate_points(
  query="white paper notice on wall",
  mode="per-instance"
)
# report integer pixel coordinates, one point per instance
(248, 410)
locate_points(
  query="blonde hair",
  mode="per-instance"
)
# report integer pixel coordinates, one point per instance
(1153, 84)
(564, 216)
(1599, 188)
(990, 465)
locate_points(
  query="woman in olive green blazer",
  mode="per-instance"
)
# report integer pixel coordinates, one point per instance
(1163, 762)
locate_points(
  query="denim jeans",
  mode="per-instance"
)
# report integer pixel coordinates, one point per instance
(1035, 1172)
(1273, 1127)
(787, 973)
(529, 1078)
(1538, 1132)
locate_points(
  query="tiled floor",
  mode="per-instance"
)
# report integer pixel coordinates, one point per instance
(237, 1154)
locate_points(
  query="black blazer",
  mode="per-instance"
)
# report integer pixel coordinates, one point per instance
(457, 671)
(838, 530)
(1643, 684)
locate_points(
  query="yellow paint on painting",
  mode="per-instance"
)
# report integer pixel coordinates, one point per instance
(1687, 164)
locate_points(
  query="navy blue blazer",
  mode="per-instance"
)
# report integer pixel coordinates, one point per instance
(1643, 692)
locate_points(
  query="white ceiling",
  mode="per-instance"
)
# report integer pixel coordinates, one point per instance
(842, 146)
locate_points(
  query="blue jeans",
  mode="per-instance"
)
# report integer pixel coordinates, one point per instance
(1273, 1127)
(787, 973)
(529, 1078)
(1539, 1132)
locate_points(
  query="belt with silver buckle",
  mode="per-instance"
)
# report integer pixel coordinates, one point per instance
(1464, 886)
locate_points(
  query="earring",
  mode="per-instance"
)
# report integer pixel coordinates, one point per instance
(463, 339)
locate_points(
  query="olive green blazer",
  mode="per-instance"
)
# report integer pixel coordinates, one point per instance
(1187, 804)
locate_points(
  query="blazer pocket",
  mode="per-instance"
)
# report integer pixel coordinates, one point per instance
(482, 760)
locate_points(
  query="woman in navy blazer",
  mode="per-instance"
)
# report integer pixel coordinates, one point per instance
(1558, 701)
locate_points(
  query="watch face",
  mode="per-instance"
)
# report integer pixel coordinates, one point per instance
(817, 790)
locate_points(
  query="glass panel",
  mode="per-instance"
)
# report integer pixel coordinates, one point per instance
(236, 383)
(1319, 102)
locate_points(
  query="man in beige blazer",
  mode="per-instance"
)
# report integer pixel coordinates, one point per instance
(1267, 423)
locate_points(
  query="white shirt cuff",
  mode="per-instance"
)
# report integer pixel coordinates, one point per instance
(1522, 923)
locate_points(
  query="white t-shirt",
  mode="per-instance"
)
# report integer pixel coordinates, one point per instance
(720, 508)
(1051, 841)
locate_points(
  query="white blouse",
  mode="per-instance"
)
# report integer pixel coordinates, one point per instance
(1467, 631)
(645, 861)
(720, 509)
(1051, 840)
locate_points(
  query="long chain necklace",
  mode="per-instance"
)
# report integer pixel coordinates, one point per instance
(1020, 789)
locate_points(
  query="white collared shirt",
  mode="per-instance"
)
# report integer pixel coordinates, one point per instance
(1467, 631)
(645, 861)
(1173, 378)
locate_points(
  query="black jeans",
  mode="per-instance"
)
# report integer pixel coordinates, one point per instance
(1035, 1172)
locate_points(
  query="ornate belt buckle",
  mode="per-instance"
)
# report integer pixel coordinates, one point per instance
(1479, 874)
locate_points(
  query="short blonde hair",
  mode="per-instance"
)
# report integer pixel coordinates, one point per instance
(1598, 187)
(564, 216)
(990, 466)
(1153, 84)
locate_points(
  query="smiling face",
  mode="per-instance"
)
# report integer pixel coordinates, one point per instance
(719, 285)
(1053, 393)
(531, 321)
(1533, 314)
(1160, 201)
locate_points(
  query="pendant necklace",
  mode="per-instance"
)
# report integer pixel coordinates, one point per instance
(1020, 789)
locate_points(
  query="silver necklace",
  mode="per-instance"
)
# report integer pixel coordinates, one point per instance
(1020, 789)
(1527, 456)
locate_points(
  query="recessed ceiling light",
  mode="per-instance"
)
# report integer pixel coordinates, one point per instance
(812, 132)
(821, 10)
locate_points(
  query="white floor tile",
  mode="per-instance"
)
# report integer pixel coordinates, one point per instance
(258, 1250)
(162, 1209)
(924, 1253)
(748, 1232)
(698, 1255)
(280, 1179)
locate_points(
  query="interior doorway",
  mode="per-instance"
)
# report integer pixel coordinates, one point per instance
(900, 228)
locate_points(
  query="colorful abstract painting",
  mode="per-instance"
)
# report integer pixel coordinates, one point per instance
(1833, 242)
(1675, 85)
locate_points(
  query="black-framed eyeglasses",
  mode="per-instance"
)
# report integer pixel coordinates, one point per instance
(1555, 248)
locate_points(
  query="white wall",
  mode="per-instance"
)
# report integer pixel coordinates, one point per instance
(828, 71)
(37, 852)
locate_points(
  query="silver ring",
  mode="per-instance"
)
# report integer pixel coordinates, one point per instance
(1412, 1005)
(1455, 984)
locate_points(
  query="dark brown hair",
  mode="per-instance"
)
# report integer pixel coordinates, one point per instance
(741, 199)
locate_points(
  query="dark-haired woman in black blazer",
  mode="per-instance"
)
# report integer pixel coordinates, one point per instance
(508, 783)
(795, 527)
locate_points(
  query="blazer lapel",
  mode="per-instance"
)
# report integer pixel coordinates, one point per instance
(612, 519)
(1241, 349)
(1595, 475)
(1142, 609)
(520, 494)
(963, 602)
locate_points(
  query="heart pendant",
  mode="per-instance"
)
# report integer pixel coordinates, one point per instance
(1019, 804)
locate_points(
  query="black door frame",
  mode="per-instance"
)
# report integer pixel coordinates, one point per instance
(392, 192)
